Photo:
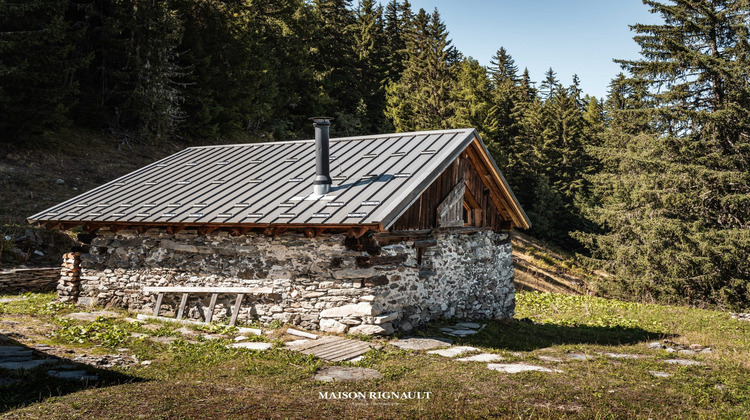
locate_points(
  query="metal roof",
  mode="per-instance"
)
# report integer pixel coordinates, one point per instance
(375, 179)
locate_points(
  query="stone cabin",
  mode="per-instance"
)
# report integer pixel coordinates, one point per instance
(365, 234)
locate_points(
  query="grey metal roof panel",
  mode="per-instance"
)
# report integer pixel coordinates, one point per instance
(375, 179)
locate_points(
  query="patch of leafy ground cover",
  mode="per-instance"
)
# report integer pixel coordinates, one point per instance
(205, 378)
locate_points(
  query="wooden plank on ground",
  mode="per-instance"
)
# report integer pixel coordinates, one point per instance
(335, 349)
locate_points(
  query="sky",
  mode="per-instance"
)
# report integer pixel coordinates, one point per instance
(571, 36)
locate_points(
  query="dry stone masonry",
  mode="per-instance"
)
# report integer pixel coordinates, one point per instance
(318, 283)
(68, 286)
(28, 280)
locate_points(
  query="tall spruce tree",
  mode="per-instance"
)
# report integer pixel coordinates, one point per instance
(421, 97)
(676, 201)
(370, 46)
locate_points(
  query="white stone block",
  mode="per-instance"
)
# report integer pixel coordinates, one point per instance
(356, 310)
(382, 319)
(369, 330)
(330, 325)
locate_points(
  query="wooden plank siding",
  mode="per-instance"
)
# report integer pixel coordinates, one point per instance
(480, 202)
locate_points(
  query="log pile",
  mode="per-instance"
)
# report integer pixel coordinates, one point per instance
(28, 280)
(68, 287)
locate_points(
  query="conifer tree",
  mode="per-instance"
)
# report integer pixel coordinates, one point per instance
(421, 98)
(37, 64)
(370, 46)
(676, 199)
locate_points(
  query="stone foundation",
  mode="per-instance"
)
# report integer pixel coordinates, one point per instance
(318, 283)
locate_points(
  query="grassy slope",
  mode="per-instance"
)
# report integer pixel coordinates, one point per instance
(205, 379)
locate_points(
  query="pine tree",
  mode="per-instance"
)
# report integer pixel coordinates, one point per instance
(676, 198)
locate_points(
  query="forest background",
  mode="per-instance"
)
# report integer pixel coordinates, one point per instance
(650, 184)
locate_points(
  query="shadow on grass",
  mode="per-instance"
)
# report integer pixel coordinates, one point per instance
(23, 387)
(514, 335)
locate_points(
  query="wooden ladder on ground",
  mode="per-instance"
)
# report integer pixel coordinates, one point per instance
(215, 292)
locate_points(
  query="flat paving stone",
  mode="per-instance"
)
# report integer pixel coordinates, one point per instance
(8, 381)
(345, 373)
(464, 332)
(453, 351)
(414, 343)
(484, 357)
(252, 345)
(550, 358)
(579, 356)
(247, 331)
(659, 374)
(683, 362)
(295, 343)
(163, 340)
(13, 299)
(520, 367)
(26, 365)
(72, 375)
(91, 316)
(625, 356)
(299, 333)
(472, 325)
(14, 351)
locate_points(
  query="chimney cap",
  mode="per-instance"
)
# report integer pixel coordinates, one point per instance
(320, 119)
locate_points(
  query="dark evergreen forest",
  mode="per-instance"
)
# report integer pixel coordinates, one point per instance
(650, 184)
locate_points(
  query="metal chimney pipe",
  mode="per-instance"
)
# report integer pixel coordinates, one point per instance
(322, 182)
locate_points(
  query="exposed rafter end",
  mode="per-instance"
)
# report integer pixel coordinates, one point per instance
(172, 229)
(205, 230)
(49, 225)
(314, 232)
(357, 232)
(274, 231)
(117, 228)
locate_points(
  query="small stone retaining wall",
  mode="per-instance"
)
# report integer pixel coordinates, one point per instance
(29, 280)
(318, 283)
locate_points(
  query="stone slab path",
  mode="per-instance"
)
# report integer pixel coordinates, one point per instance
(520, 367)
(413, 343)
(23, 358)
(334, 349)
(345, 373)
(453, 351)
(484, 358)
(250, 345)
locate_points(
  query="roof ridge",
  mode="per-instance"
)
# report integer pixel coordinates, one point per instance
(338, 139)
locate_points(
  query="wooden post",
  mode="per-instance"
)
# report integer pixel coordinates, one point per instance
(210, 314)
(158, 304)
(182, 305)
(236, 310)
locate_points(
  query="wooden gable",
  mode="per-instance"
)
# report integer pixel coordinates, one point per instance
(469, 192)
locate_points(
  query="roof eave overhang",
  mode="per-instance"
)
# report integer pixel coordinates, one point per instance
(353, 229)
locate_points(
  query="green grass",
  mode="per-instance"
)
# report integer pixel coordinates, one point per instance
(207, 379)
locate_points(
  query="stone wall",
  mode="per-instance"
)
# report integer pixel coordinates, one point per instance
(28, 280)
(317, 282)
